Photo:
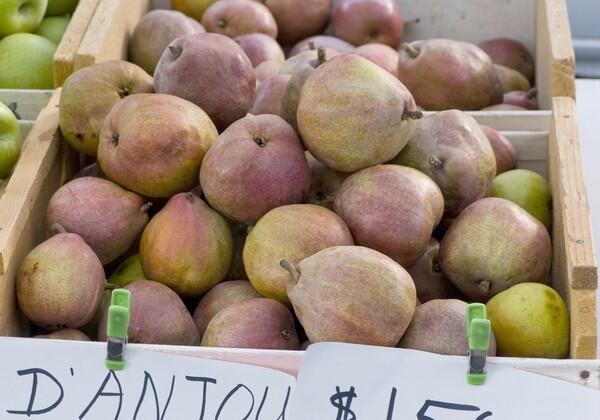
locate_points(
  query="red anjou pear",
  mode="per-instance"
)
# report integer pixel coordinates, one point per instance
(510, 79)
(305, 58)
(351, 294)
(322, 41)
(257, 164)
(158, 316)
(260, 48)
(266, 69)
(447, 74)
(504, 151)
(107, 217)
(527, 100)
(269, 96)
(186, 246)
(380, 54)
(452, 149)
(253, 324)
(65, 334)
(60, 283)
(493, 245)
(353, 114)
(398, 224)
(238, 17)
(512, 54)
(504, 107)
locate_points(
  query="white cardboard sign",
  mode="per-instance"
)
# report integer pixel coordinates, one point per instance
(346, 382)
(45, 381)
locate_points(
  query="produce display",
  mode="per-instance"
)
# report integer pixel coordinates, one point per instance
(257, 183)
(30, 31)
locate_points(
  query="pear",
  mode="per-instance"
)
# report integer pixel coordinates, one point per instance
(186, 246)
(310, 57)
(493, 245)
(154, 144)
(504, 151)
(269, 96)
(382, 55)
(438, 326)
(322, 41)
(253, 324)
(66, 334)
(238, 17)
(260, 48)
(158, 316)
(60, 283)
(127, 272)
(351, 294)
(220, 297)
(324, 183)
(451, 148)
(266, 70)
(524, 99)
(107, 217)
(392, 209)
(293, 233)
(353, 114)
(504, 107)
(89, 94)
(297, 20)
(512, 54)
(445, 74)
(511, 80)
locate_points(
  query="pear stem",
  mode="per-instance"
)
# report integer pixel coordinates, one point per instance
(532, 94)
(412, 52)
(289, 267)
(13, 107)
(322, 56)
(410, 22)
(110, 286)
(145, 207)
(411, 115)
(57, 228)
(312, 46)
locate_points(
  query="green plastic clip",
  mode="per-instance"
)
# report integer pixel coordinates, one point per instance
(119, 314)
(479, 330)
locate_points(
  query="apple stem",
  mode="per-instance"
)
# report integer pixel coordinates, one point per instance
(145, 207)
(411, 115)
(322, 56)
(532, 94)
(289, 267)
(57, 228)
(412, 52)
(484, 286)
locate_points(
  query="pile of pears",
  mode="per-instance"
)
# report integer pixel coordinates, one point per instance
(247, 200)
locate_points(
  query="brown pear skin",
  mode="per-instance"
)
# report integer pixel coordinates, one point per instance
(504, 151)
(65, 334)
(253, 324)
(512, 54)
(89, 94)
(451, 148)
(107, 217)
(239, 17)
(324, 183)
(154, 32)
(239, 232)
(307, 58)
(438, 326)
(392, 209)
(158, 316)
(266, 70)
(292, 233)
(352, 294)
(211, 71)
(446, 74)
(493, 245)
(353, 114)
(430, 281)
(269, 96)
(257, 164)
(187, 246)
(297, 20)
(322, 41)
(526, 100)
(511, 79)
(154, 144)
(260, 48)
(220, 297)
(60, 283)
(382, 55)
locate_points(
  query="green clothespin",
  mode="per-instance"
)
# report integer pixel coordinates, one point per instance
(479, 330)
(119, 314)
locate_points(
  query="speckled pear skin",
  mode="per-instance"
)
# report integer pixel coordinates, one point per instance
(266, 70)
(438, 326)
(211, 71)
(325, 41)
(446, 74)
(324, 183)
(451, 149)
(392, 209)
(238, 17)
(220, 297)
(60, 283)
(269, 96)
(154, 144)
(522, 251)
(384, 56)
(260, 48)
(352, 294)
(297, 20)
(89, 94)
(352, 114)
(292, 233)
(504, 151)
(107, 217)
(65, 334)
(186, 246)
(253, 324)
(257, 164)
(158, 316)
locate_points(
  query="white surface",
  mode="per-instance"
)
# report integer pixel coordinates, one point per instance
(81, 373)
(588, 115)
(374, 373)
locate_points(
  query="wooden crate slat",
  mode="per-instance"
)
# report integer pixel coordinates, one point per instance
(29, 101)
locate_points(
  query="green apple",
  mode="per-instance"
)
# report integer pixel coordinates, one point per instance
(20, 15)
(127, 272)
(10, 140)
(529, 190)
(61, 7)
(192, 8)
(26, 62)
(53, 28)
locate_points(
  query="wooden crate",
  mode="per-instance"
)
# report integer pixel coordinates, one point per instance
(545, 144)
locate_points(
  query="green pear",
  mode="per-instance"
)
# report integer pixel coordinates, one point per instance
(26, 62)
(529, 190)
(10, 140)
(61, 7)
(127, 272)
(53, 28)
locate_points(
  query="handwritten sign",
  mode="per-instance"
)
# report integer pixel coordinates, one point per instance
(44, 381)
(346, 382)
